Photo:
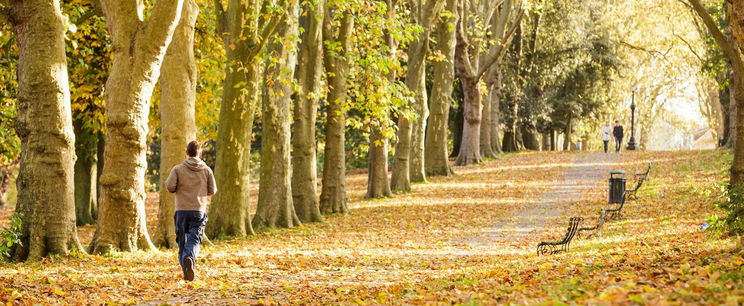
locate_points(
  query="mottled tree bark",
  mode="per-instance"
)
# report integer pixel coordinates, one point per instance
(409, 153)
(472, 64)
(494, 95)
(304, 150)
(470, 147)
(486, 148)
(86, 175)
(275, 207)
(436, 152)
(44, 126)
(228, 212)
(177, 122)
(333, 195)
(530, 137)
(378, 185)
(510, 142)
(138, 50)
(567, 133)
(737, 167)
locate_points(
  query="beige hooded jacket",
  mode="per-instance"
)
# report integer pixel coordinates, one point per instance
(193, 182)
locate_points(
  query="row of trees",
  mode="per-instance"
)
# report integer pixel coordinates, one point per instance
(386, 72)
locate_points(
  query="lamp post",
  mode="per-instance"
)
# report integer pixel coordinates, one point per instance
(632, 143)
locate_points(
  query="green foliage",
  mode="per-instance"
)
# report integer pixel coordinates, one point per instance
(730, 199)
(10, 145)
(10, 236)
(89, 59)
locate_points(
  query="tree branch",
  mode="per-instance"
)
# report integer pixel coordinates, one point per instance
(221, 22)
(161, 24)
(268, 30)
(689, 46)
(431, 12)
(95, 11)
(726, 46)
(497, 54)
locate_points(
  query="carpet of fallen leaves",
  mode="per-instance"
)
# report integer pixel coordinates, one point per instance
(418, 247)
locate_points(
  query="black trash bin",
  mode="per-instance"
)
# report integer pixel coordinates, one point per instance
(617, 186)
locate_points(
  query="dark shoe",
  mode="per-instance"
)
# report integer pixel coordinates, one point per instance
(188, 272)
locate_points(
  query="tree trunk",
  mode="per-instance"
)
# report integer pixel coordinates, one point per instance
(416, 81)
(86, 175)
(725, 98)
(553, 140)
(275, 206)
(99, 169)
(177, 122)
(545, 142)
(470, 147)
(457, 130)
(406, 147)
(493, 95)
(6, 171)
(400, 180)
(735, 91)
(333, 194)
(138, 51)
(378, 185)
(228, 212)
(436, 153)
(44, 126)
(486, 147)
(567, 136)
(304, 150)
(511, 143)
(530, 137)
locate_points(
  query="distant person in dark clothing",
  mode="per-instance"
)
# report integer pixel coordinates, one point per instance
(617, 131)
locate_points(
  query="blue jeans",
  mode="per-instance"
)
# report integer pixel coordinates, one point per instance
(189, 231)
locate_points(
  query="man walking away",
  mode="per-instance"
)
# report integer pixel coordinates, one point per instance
(193, 182)
(606, 136)
(618, 133)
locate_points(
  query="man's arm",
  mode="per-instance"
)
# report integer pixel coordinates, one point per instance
(211, 184)
(172, 182)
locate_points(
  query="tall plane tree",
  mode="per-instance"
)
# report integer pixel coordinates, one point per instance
(177, 123)
(378, 185)
(139, 46)
(44, 125)
(728, 46)
(502, 19)
(304, 150)
(437, 162)
(409, 151)
(337, 29)
(275, 207)
(247, 33)
(737, 168)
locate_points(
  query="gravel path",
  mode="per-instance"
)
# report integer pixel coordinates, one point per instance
(588, 170)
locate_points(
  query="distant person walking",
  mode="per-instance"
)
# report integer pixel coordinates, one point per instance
(193, 182)
(617, 131)
(606, 130)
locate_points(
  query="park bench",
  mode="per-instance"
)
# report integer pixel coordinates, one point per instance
(597, 228)
(563, 245)
(615, 212)
(640, 179)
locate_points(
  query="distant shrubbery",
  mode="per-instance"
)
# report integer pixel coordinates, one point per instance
(10, 236)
